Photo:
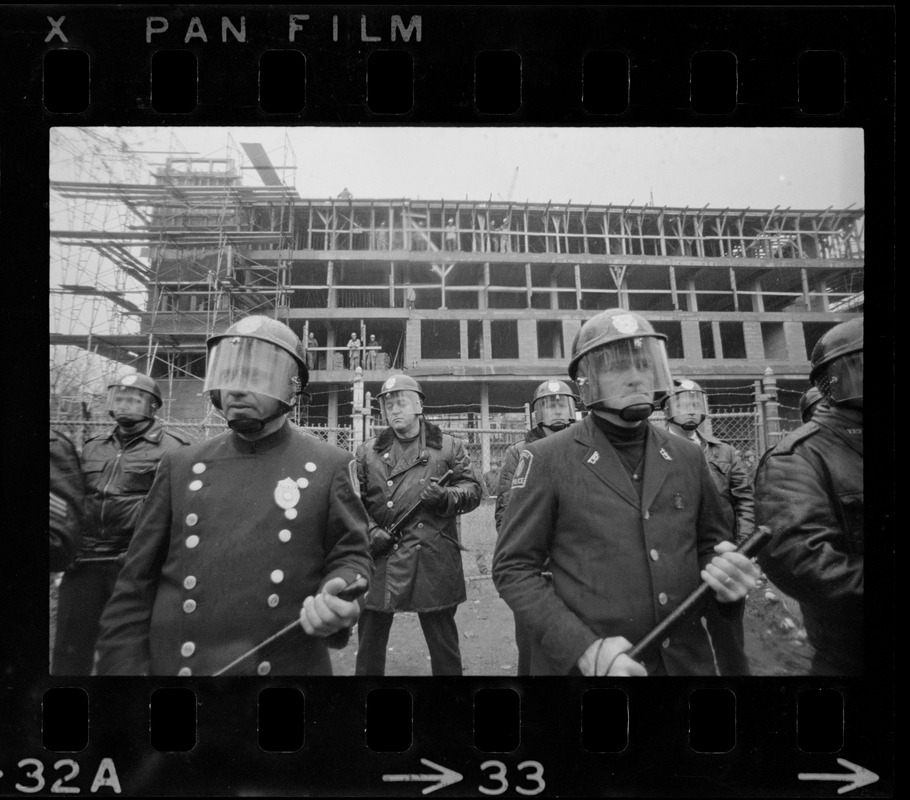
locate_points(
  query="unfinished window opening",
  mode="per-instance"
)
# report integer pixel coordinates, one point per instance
(440, 339)
(706, 333)
(812, 332)
(475, 338)
(549, 339)
(515, 299)
(732, 339)
(504, 338)
(673, 332)
(774, 341)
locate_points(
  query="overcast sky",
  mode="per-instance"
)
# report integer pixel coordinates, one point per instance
(808, 168)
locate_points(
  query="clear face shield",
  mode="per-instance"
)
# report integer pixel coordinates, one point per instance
(842, 380)
(628, 376)
(129, 405)
(555, 411)
(242, 364)
(687, 408)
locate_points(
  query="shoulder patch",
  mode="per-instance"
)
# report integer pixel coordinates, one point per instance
(522, 470)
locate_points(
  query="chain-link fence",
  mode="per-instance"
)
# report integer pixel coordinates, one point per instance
(80, 431)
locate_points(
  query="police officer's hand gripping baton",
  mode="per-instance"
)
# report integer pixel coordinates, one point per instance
(748, 548)
(350, 592)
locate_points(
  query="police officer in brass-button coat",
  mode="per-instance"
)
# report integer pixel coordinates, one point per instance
(626, 514)
(243, 534)
(422, 571)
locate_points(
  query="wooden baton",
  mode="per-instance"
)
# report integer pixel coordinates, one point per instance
(748, 548)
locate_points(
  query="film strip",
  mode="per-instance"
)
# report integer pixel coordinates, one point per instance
(813, 67)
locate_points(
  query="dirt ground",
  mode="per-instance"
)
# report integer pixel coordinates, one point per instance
(774, 635)
(775, 638)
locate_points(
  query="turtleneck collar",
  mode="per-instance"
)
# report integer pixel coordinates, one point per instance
(265, 443)
(619, 433)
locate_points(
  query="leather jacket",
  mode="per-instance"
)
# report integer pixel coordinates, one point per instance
(118, 476)
(809, 492)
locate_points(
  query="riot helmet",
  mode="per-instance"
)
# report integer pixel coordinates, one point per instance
(401, 400)
(619, 363)
(133, 399)
(686, 405)
(837, 363)
(554, 405)
(259, 355)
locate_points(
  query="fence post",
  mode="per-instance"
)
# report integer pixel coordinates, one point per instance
(772, 410)
(761, 435)
(357, 410)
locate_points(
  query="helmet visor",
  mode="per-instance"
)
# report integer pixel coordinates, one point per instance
(686, 404)
(128, 404)
(624, 373)
(842, 380)
(242, 364)
(554, 408)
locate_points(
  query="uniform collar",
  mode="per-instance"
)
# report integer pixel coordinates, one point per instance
(152, 434)
(601, 459)
(429, 434)
(262, 445)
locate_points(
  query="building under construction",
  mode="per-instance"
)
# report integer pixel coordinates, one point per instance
(478, 300)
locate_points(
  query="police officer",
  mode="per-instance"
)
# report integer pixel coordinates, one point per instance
(626, 514)
(422, 570)
(809, 492)
(685, 410)
(118, 468)
(242, 534)
(553, 408)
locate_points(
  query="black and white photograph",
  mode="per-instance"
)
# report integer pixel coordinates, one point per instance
(450, 401)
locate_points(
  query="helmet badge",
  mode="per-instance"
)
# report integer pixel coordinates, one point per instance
(129, 380)
(248, 325)
(389, 383)
(553, 386)
(625, 323)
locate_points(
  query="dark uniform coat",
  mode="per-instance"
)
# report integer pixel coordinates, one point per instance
(509, 463)
(619, 564)
(234, 536)
(424, 571)
(117, 479)
(733, 483)
(809, 492)
(68, 487)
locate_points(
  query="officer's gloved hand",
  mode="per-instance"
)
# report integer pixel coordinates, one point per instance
(380, 542)
(607, 657)
(434, 495)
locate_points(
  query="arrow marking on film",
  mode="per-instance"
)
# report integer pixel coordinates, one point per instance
(857, 777)
(444, 777)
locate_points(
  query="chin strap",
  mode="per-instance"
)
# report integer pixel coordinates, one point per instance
(634, 413)
(687, 426)
(248, 425)
(558, 425)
